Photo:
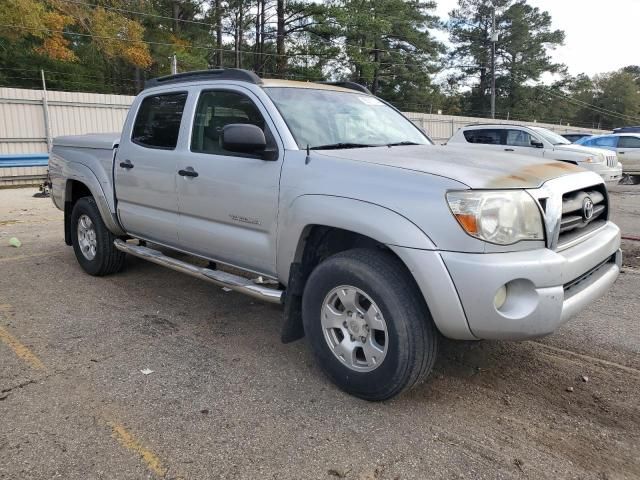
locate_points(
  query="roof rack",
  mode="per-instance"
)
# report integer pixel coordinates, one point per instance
(349, 85)
(213, 74)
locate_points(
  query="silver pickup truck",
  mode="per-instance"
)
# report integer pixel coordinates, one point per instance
(327, 200)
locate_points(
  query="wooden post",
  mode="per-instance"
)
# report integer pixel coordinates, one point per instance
(45, 109)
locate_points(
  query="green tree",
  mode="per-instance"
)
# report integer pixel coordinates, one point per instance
(525, 37)
(387, 45)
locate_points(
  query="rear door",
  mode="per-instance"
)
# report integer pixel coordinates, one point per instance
(629, 153)
(228, 212)
(145, 169)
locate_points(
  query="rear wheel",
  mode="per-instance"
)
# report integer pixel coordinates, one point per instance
(368, 325)
(92, 241)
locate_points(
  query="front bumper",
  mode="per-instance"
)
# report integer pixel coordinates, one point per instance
(608, 174)
(545, 288)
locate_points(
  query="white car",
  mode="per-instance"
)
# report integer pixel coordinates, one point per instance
(625, 145)
(539, 142)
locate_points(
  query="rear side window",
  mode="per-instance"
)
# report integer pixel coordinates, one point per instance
(158, 122)
(604, 142)
(629, 142)
(486, 136)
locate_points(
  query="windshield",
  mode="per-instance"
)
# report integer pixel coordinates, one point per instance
(551, 137)
(334, 119)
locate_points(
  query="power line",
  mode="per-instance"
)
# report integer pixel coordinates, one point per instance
(205, 47)
(589, 106)
(211, 25)
(145, 14)
(68, 74)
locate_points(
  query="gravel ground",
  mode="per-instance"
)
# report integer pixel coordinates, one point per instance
(227, 400)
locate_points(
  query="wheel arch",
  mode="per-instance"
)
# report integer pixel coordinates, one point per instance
(312, 215)
(340, 224)
(83, 183)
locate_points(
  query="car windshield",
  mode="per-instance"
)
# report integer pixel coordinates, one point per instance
(551, 137)
(335, 119)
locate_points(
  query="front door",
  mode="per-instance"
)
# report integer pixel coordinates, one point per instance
(145, 170)
(228, 212)
(629, 153)
(521, 141)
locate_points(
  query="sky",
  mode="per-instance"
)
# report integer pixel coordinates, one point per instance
(600, 35)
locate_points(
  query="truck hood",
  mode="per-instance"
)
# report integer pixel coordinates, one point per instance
(474, 167)
(585, 151)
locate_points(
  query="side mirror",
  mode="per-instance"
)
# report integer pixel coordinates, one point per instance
(537, 144)
(243, 138)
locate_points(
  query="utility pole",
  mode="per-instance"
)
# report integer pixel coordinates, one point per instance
(174, 64)
(494, 39)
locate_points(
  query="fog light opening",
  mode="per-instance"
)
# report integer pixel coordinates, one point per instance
(500, 297)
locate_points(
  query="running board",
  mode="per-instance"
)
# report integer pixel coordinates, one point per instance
(220, 278)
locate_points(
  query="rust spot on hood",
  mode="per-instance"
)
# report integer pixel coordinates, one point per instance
(535, 174)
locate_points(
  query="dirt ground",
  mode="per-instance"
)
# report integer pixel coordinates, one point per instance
(226, 399)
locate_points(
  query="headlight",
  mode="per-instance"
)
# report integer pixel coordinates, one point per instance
(500, 216)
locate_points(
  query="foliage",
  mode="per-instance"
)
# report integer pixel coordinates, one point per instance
(391, 46)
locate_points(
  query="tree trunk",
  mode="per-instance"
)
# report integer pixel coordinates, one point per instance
(256, 47)
(236, 46)
(240, 33)
(176, 17)
(281, 61)
(219, 33)
(263, 21)
(376, 68)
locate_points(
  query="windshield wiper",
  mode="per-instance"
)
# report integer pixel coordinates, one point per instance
(338, 146)
(397, 144)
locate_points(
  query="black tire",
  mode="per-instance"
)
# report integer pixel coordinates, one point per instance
(107, 258)
(412, 335)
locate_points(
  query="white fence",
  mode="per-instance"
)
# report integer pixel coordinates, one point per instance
(25, 125)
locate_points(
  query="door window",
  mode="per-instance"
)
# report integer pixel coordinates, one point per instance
(158, 121)
(215, 110)
(485, 136)
(629, 142)
(518, 138)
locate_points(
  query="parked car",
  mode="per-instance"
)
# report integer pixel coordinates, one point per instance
(376, 241)
(626, 146)
(574, 137)
(538, 142)
(635, 129)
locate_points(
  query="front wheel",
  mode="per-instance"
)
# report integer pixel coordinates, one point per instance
(368, 325)
(92, 241)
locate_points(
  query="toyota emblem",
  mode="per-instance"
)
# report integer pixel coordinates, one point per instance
(587, 208)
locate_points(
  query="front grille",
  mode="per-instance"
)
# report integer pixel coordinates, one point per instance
(575, 220)
(612, 161)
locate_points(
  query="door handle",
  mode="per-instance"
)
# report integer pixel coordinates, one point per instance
(126, 164)
(188, 172)
(621, 153)
(508, 149)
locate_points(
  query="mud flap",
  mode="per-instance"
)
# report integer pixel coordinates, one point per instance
(68, 207)
(292, 328)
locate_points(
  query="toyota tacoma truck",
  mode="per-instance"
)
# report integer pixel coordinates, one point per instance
(327, 200)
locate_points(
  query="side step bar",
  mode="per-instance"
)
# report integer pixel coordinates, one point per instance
(220, 278)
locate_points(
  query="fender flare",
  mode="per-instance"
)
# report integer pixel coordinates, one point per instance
(365, 218)
(83, 174)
